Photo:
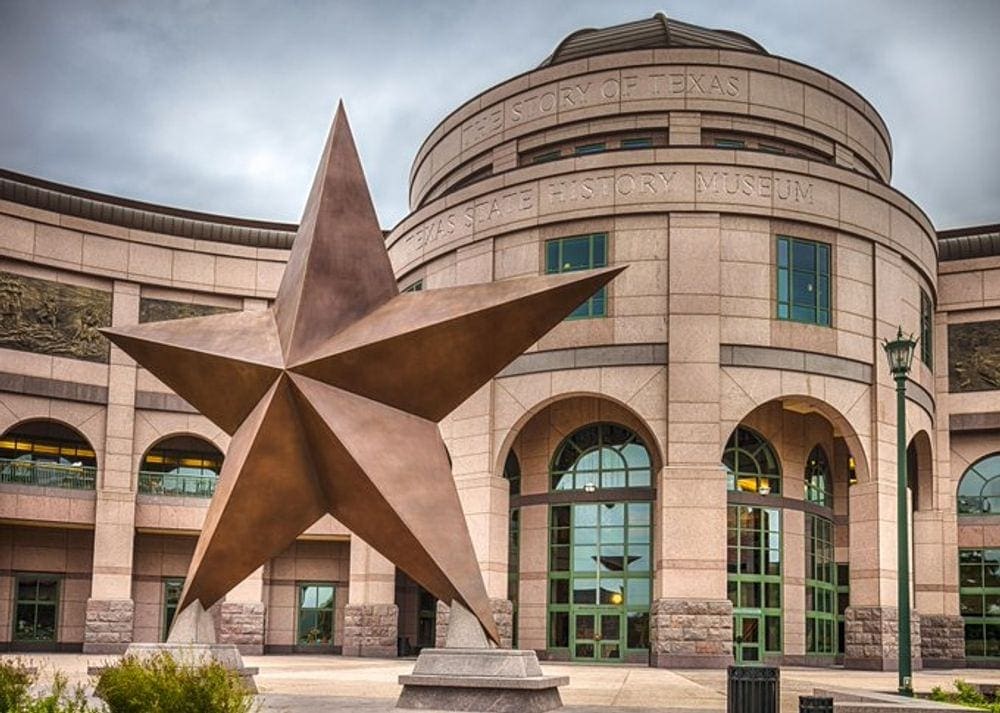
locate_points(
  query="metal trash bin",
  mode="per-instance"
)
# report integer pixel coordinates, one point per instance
(753, 689)
(815, 704)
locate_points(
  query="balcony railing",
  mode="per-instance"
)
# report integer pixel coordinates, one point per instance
(177, 485)
(48, 475)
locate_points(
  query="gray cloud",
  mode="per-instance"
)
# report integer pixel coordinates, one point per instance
(224, 106)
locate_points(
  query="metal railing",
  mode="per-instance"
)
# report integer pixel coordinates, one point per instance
(177, 485)
(48, 475)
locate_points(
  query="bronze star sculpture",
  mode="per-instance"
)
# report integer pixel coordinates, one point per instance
(332, 396)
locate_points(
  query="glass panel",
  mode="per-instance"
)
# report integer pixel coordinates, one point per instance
(636, 456)
(585, 591)
(585, 650)
(560, 516)
(615, 479)
(325, 600)
(974, 643)
(638, 514)
(782, 285)
(559, 591)
(772, 595)
(803, 255)
(783, 252)
(585, 515)
(638, 630)
(24, 622)
(27, 589)
(559, 629)
(772, 633)
(638, 535)
(610, 651)
(611, 591)
(560, 559)
(600, 257)
(561, 536)
(612, 558)
(585, 558)
(639, 478)
(552, 256)
(750, 595)
(992, 646)
(309, 597)
(585, 626)
(585, 535)
(575, 254)
(637, 593)
(638, 558)
(613, 534)
(611, 627)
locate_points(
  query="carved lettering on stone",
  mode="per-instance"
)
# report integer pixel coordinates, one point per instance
(52, 318)
(752, 185)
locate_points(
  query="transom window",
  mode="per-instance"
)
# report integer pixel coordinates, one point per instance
(803, 281)
(979, 597)
(751, 463)
(601, 455)
(582, 252)
(979, 488)
(36, 608)
(417, 286)
(316, 611)
(819, 489)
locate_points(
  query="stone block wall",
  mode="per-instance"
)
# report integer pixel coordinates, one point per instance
(942, 641)
(108, 626)
(503, 615)
(242, 623)
(687, 633)
(370, 630)
(872, 638)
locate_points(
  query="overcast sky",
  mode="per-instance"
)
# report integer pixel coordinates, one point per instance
(224, 106)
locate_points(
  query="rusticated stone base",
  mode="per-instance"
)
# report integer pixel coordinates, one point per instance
(691, 633)
(872, 639)
(371, 630)
(108, 627)
(503, 615)
(942, 641)
(242, 623)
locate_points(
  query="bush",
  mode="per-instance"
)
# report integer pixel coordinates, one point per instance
(161, 684)
(968, 695)
(16, 680)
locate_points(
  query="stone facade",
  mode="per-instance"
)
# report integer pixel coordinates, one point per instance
(108, 628)
(503, 615)
(242, 623)
(370, 630)
(872, 635)
(691, 634)
(942, 641)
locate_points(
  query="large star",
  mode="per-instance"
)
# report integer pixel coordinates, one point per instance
(332, 396)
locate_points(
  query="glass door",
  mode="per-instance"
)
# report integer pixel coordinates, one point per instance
(747, 643)
(597, 636)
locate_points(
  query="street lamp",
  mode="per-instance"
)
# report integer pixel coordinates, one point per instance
(899, 352)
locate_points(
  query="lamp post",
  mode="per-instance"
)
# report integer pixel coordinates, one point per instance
(900, 355)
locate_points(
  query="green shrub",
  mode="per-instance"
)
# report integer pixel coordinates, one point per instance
(59, 700)
(968, 695)
(16, 679)
(161, 684)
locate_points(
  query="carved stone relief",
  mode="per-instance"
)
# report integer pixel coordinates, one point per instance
(152, 310)
(974, 356)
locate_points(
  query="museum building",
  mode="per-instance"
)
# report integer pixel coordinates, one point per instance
(698, 466)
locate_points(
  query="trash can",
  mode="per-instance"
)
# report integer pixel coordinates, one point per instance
(815, 704)
(753, 689)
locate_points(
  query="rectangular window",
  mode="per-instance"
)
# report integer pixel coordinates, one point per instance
(587, 149)
(730, 144)
(926, 329)
(803, 281)
(638, 143)
(172, 589)
(979, 601)
(316, 611)
(546, 156)
(770, 148)
(582, 252)
(36, 607)
(417, 286)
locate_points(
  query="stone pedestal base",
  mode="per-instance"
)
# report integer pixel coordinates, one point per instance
(242, 623)
(495, 680)
(691, 633)
(942, 641)
(872, 639)
(371, 630)
(503, 615)
(194, 655)
(108, 627)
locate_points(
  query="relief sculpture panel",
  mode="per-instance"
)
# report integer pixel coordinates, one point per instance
(974, 356)
(53, 318)
(153, 310)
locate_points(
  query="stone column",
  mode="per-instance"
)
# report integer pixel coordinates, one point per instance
(241, 615)
(691, 618)
(371, 619)
(110, 609)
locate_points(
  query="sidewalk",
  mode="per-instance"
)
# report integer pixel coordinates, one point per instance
(336, 683)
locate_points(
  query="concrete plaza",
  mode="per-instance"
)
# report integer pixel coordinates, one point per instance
(335, 683)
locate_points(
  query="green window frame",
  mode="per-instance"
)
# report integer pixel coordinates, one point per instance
(317, 602)
(642, 142)
(172, 588)
(588, 149)
(600, 559)
(417, 286)
(753, 566)
(979, 601)
(926, 329)
(580, 252)
(804, 281)
(36, 607)
(751, 463)
(730, 144)
(601, 456)
(819, 483)
(979, 487)
(821, 587)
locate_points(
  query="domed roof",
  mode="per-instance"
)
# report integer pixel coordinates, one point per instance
(659, 32)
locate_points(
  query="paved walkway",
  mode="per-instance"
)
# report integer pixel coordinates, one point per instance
(335, 683)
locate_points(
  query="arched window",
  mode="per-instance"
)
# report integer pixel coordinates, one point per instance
(752, 464)
(601, 455)
(180, 465)
(979, 488)
(512, 472)
(819, 484)
(48, 454)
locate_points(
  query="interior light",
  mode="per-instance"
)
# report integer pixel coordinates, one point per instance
(617, 598)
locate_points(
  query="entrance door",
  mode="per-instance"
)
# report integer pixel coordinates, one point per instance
(748, 638)
(598, 636)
